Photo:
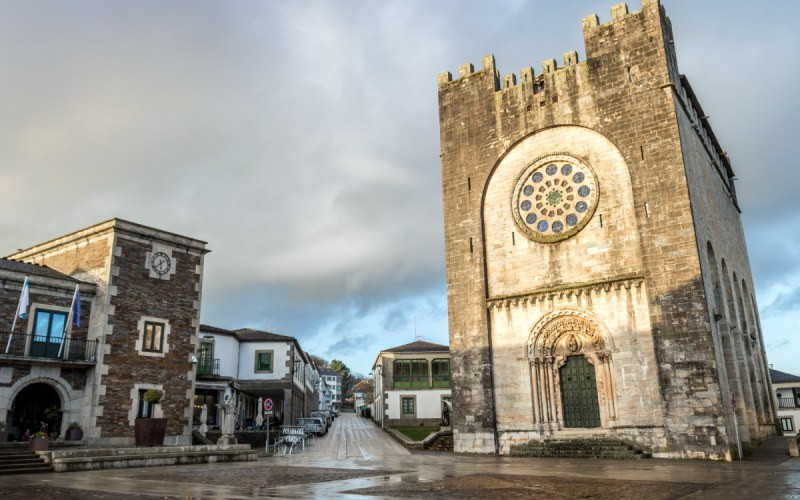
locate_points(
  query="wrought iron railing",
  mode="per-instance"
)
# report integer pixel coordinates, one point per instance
(787, 403)
(441, 381)
(39, 347)
(411, 382)
(208, 366)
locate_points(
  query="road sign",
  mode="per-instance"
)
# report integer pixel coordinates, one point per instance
(269, 413)
(268, 404)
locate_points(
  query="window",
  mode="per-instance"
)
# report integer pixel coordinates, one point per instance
(408, 406)
(145, 408)
(206, 364)
(263, 361)
(787, 424)
(440, 372)
(48, 331)
(410, 373)
(209, 398)
(153, 337)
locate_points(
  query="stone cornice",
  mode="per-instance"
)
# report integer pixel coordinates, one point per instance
(561, 291)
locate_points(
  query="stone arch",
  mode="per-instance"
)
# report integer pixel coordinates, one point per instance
(729, 383)
(747, 338)
(546, 333)
(553, 338)
(62, 388)
(743, 396)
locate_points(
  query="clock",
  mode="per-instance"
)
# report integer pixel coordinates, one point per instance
(160, 263)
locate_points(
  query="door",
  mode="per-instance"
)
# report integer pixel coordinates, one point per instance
(48, 331)
(579, 393)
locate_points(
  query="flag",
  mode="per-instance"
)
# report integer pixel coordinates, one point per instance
(24, 300)
(76, 307)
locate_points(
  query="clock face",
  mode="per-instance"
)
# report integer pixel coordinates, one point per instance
(160, 263)
(554, 198)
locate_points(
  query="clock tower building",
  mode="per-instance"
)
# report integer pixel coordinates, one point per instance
(597, 275)
(145, 319)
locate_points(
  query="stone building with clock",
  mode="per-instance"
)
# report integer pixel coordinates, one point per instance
(598, 279)
(140, 291)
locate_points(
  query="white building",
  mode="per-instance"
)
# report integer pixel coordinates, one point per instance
(787, 392)
(325, 395)
(334, 381)
(412, 384)
(259, 365)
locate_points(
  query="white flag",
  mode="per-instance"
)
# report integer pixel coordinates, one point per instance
(24, 300)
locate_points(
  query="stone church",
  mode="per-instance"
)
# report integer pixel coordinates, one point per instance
(598, 279)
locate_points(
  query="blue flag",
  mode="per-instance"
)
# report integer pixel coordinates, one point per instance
(76, 309)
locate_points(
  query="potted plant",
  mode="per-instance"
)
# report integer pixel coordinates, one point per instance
(38, 442)
(3, 432)
(150, 431)
(74, 432)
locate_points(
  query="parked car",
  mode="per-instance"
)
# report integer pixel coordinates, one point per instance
(324, 416)
(313, 425)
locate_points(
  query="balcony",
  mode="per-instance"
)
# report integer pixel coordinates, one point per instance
(421, 382)
(208, 367)
(787, 403)
(35, 347)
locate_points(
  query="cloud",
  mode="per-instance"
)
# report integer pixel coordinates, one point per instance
(301, 140)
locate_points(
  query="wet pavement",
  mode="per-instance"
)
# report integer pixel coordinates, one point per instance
(358, 460)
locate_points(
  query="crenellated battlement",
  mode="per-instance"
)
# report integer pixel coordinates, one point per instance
(619, 12)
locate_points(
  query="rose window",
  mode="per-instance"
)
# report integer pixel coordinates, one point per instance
(555, 198)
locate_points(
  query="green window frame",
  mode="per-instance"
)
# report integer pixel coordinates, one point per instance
(787, 424)
(153, 339)
(440, 372)
(263, 362)
(48, 333)
(410, 374)
(408, 404)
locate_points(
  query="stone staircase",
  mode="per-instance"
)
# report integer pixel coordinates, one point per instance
(579, 448)
(22, 461)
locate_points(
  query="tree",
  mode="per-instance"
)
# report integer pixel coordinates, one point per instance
(320, 362)
(344, 371)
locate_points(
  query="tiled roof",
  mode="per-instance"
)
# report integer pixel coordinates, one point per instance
(419, 346)
(249, 334)
(328, 371)
(779, 377)
(215, 329)
(34, 269)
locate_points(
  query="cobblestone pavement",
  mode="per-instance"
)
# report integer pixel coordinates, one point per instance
(358, 460)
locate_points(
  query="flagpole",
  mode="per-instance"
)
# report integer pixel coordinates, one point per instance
(69, 322)
(16, 313)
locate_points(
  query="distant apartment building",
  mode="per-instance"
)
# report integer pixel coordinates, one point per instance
(334, 381)
(412, 384)
(787, 392)
(257, 364)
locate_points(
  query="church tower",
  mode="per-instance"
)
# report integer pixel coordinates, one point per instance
(598, 279)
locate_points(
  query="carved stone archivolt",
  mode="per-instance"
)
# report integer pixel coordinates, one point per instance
(555, 337)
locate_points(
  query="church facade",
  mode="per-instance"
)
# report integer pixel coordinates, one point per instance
(598, 279)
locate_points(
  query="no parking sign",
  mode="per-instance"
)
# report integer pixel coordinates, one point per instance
(268, 406)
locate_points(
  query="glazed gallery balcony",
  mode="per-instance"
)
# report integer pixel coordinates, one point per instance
(47, 348)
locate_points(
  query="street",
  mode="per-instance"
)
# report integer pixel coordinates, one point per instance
(356, 459)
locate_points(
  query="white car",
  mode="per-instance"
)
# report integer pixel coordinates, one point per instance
(313, 425)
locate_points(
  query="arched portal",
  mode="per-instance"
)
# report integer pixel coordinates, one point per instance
(571, 372)
(34, 405)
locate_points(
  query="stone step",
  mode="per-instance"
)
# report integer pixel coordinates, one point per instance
(21, 459)
(579, 448)
(28, 470)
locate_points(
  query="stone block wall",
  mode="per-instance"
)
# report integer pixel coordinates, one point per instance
(644, 226)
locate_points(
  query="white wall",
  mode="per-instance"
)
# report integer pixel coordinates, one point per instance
(226, 349)
(785, 390)
(247, 357)
(429, 402)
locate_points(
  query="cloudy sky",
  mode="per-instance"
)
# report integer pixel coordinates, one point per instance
(300, 139)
